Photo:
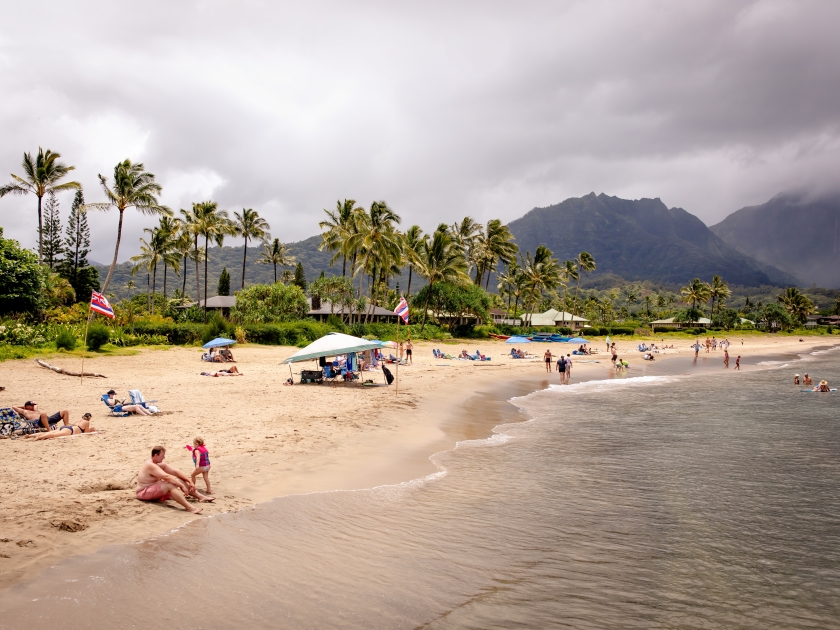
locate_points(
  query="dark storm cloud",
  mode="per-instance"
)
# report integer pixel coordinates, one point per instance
(480, 108)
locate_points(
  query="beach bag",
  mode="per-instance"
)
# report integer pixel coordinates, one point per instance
(389, 378)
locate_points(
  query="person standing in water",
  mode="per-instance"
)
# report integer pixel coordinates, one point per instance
(568, 368)
(547, 357)
(561, 369)
(726, 357)
(608, 343)
(738, 362)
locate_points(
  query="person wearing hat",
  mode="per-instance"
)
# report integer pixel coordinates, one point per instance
(796, 379)
(822, 387)
(117, 406)
(31, 413)
(806, 380)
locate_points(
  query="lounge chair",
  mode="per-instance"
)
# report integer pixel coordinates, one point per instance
(111, 410)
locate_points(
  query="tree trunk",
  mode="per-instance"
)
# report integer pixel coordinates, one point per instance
(116, 253)
(408, 291)
(184, 285)
(206, 247)
(275, 273)
(148, 291)
(164, 286)
(426, 306)
(154, 283)
(515, 307)
(197, 278)
(244, 258)
(344, 267)
(76, 253)
(41, 235)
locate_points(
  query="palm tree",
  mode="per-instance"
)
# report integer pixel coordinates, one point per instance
(147, 259)
(719, 291)
(250, 225)
(694, 293)
(464, 235)
(495, 244)
(275, 254)
(507, 280)
(168, 231)
(134, 188)
(440, 259)
(287, 276)
(336, 229)
(378, 242)
(412, 238)
(541, 273)
(211, 223)
(585, 264)
(568, 273)
(42, 176)
(797, 304)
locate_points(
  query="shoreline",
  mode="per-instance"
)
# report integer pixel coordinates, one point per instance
(395, 444)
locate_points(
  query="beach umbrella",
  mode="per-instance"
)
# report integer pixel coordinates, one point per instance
(385, 344)
(577, 340)
(518, 340)
(218, 342)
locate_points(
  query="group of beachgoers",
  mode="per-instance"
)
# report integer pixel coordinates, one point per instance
(48, 424)
(807, 381)
(563, 364)
(221, 355)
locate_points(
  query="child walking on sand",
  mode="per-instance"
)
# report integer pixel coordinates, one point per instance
(201, 460)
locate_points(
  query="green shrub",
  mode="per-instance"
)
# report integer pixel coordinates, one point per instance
(66, 339)
(216, 327)
(97, 336)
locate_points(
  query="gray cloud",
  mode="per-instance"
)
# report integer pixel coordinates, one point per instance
(480, 108)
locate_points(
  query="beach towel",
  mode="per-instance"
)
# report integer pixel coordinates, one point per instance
(138, 399)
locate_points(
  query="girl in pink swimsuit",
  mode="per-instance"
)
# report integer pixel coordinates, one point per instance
(201, 460)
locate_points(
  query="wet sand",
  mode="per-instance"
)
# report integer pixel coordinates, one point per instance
(71, 496)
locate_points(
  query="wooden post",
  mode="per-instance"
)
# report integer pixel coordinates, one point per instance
(84, 349)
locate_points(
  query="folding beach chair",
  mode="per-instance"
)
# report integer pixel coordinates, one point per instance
(112, 410)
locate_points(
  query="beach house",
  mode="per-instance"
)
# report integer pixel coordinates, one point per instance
(553, 317)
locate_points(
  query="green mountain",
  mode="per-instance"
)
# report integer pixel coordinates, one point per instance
(640, 240)
(306, 251)
(794, 233)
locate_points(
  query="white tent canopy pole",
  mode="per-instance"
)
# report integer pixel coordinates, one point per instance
(332, 345)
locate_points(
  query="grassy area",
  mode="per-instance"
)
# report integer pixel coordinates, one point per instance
(8, 352)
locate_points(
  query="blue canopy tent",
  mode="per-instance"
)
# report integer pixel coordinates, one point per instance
(218, 342)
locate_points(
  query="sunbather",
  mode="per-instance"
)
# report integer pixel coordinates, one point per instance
(31, 413)
(83, 426)
(118, 406)
(231, 371)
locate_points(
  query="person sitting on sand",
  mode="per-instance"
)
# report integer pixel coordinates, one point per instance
(31, 413)
(160, 482)
(119, 407)
(226, 355)
(796, 379)
(83, 426)
(807, 380)
(822, 387)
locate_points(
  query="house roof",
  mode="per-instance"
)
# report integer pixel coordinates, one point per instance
(565, 316)
(551, 317)
(325, 310)
(670, 320)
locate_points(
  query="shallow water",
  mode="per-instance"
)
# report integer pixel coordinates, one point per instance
(705, 501)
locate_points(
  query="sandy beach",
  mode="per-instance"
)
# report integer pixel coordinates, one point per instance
(74, 495)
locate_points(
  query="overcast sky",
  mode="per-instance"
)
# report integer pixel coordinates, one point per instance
(441, 109)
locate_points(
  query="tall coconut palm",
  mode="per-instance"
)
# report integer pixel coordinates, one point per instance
(568, 273)
(134, 188)
(797, 304)
(213, 224)
(276, 253)
(719, 291)
(336, 229)
(376, 240)
(412, 238)
(506, 281)
(41, 177)
(585, 264)
(184, 246)
(147, 259)
(250, 225)
(441, 259)
(494, 244)
(167, 233)
(540, 273)
(464, 235)
(694, 293)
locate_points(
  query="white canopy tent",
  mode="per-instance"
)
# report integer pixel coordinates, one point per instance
(332, 345)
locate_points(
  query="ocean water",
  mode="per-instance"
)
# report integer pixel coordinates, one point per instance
(709, 500)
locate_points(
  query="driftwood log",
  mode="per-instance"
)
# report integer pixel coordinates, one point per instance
(59, 370)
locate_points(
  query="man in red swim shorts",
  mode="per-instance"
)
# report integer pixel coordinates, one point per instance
(160, 482)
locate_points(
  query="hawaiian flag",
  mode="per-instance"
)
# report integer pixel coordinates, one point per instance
(100, 305)
(402, 309)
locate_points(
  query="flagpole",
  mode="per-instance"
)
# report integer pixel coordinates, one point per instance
(84, 347)
(399, 317)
